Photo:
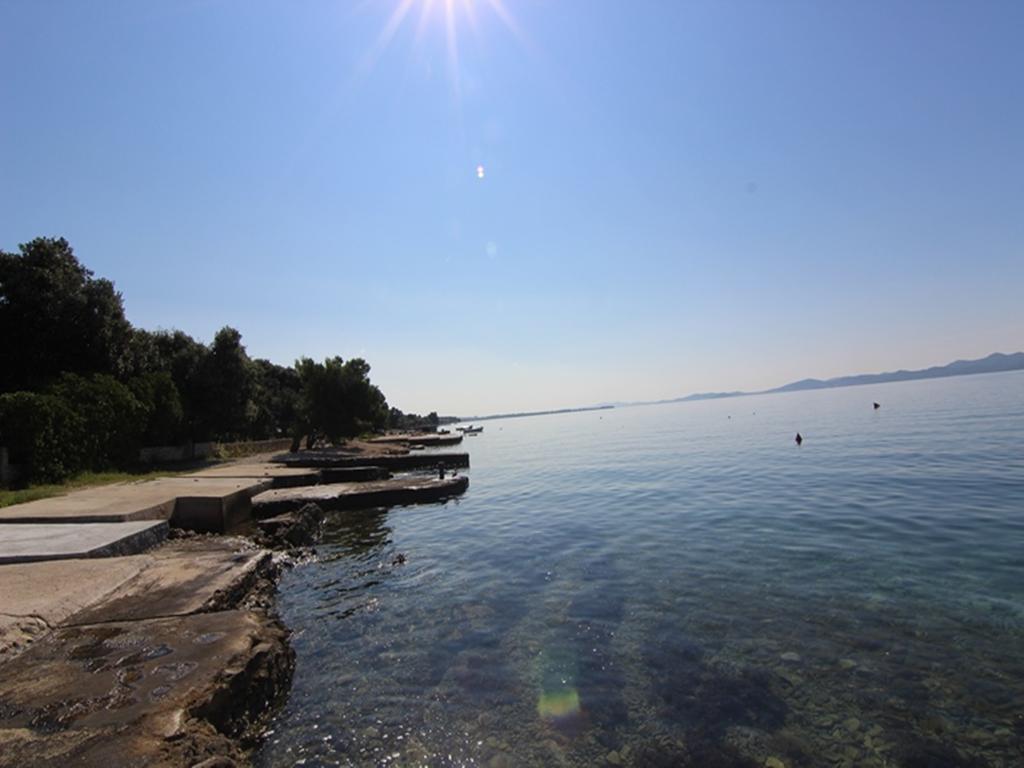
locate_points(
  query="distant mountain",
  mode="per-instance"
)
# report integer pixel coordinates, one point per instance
(994, 363)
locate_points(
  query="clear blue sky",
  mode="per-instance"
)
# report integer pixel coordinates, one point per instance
(677, 196)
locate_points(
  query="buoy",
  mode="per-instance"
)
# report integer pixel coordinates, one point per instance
(877, 405)
(799, 438)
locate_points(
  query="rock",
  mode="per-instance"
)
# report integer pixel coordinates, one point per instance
(613, 758)
(851, 724)
(791, 656)
(847, 663)
(217, 762)
(774, 762)
(299, 528)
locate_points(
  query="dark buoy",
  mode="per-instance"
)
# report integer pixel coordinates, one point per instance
(877, 405)
(399, 559)
(799, 439)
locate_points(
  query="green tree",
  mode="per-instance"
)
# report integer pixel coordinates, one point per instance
(338, 400)
(43, 434)
(112, 419)
(274, 405)
(62, 318)
(162, 414)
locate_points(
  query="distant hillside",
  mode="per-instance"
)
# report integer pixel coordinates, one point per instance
(994, 363)
(532, 413)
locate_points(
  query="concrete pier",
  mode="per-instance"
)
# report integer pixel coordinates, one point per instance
(327, 458)
(423, 440)
(400, 490)
(279, 476)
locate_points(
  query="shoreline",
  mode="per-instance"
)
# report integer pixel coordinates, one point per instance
(175, 655)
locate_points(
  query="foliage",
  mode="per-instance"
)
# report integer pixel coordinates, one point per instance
(338, 399)
(161, 407)
(221, 389)
(63, 318)
(110, 417)
(274, 406)
(42, 434)
(85, 389)
(412, 421)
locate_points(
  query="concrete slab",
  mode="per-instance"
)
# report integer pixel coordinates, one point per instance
(156, 692)
(424, 440)
(34, 542)
(185, 577)
(202, 504)
(352, 474)
(412, 489)
(280, 476)
(180, 577)
(329, 458)
(40, 596)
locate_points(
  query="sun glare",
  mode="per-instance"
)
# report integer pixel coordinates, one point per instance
(452, 15)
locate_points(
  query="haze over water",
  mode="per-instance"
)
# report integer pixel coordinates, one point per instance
(681, 584)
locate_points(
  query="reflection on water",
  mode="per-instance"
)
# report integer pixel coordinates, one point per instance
(681, 585)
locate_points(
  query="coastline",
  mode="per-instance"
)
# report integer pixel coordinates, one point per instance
(174, 655)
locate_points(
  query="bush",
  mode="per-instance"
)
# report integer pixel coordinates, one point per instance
(162, 415)
(112, 420)
(43, 434)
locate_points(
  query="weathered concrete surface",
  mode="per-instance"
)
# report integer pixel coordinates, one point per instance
(156, 692)
(423, 440)
(279, 476)
(185, 577)
(332, 458)
(47, 541)
(178, 578)
(202, 504)
(413, 489)
(352, 474)
(38, 597)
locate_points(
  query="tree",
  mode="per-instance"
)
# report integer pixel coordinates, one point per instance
(61, 317)
(162, 415)
(223, 388)
(274, 405)
(112, 420)
(338, 399)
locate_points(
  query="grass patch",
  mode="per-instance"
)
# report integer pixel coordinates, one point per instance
(83, 480)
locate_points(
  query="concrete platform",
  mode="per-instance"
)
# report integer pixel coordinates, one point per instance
(47, 541)
(151, 692)
(178, 578)
(198, 503)
(353, 474)
(400, 490)
(424, 440)
(279, 476)
(327, 458)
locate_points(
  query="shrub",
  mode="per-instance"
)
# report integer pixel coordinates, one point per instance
(112, 420)
(43, 434)
(160, 403)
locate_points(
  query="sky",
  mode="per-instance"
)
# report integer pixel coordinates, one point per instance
(508, 205)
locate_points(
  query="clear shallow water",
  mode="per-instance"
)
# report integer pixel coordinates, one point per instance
(682, 585)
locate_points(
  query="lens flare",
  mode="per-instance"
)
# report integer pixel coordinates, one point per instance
(559, 705)
(479, 171)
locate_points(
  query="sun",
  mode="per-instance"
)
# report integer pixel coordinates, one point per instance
(454, 14)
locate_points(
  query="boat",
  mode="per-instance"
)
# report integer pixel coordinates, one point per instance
(472, 430)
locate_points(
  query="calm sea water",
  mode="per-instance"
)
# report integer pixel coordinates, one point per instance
(683, 585)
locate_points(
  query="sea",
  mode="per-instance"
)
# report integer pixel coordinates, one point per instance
(684, 585)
